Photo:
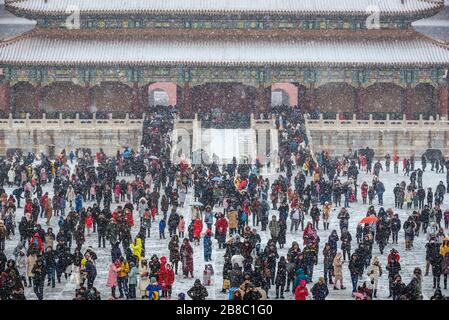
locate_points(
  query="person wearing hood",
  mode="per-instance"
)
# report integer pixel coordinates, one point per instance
(114, 268)
(144, 280)
(198, 291)
(301, 292)
(300, 275)
(374, 272)
(186, 253)
(337, 264)
(136, 246)
(166, 277)
(207, 243)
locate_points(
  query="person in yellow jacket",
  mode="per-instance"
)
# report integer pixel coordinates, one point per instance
(122, 278)
(444, 247)
(137, 248)
(53, 170)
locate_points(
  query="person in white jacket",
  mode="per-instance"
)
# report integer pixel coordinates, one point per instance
(374, 272)
(11, 176)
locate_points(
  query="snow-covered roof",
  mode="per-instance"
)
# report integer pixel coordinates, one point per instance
(227, 6)
(43, 50)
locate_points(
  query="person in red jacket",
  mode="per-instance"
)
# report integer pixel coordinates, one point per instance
(28, 207)
(197, 228)
(393, 252)
(222, 228)
(301, 292)
(364, 189)
(165, 277)
(36, 241)
(89, 222)
(44, 201)
(129, 217)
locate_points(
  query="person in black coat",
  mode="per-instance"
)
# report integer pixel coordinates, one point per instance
(102, 224)
(251, 293)
(395, 226)
(320, 290)
(39, 278)
(281, 277)
(198, 291)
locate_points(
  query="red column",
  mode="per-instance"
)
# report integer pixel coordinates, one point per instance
(263, 100)
(5, 97)
(408, 100)
(136, 100)
(185, 108)
(38, 99)
(311, 98)
(442, 99)
(359, 101)
(87, 97)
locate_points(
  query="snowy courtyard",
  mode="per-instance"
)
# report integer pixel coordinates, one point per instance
(409, 259)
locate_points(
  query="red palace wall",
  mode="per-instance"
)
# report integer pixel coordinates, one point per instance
(290, 89)
(168, 87)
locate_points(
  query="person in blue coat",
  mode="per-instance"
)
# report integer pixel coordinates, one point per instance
(380, 189)
(71, 156)
(207, 242)
(162, 226)
(300, 275)
(78, 202)
(154, 289)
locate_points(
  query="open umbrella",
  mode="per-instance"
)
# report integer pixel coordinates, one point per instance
(369, 219)
(217, 179)
(153, 157)
(197, 204)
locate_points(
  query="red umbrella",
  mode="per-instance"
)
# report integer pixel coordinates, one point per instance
(369, 219)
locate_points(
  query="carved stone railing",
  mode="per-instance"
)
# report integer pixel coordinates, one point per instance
(68, 123)
(371, 124)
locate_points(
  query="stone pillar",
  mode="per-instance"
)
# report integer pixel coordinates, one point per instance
(38, 99)
(408, 100)
(359, 101)
(442, 100)
(311, 98)
(5, 97)
(137, 109)
(185, 106)
(87, 97)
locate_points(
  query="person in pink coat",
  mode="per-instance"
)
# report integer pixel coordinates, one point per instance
(112, 283)
(181, 226)
(117, 191)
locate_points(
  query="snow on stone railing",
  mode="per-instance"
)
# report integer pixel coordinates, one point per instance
(61, 123)
(358, 124)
